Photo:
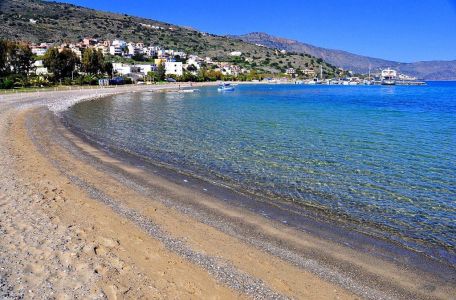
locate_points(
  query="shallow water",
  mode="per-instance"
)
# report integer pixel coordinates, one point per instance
(382, 157)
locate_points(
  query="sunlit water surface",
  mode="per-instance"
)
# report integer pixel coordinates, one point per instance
(382, 156)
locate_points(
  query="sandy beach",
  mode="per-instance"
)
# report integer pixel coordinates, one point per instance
(79, 223)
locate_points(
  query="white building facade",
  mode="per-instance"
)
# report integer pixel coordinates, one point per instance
(173, 68)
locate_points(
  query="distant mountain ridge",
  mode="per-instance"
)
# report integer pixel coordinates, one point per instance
(427, 70)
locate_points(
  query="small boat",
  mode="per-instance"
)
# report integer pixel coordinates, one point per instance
(182, 91)
(188, 91)
(225, 87)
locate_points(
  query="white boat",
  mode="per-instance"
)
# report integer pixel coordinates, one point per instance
(182, 91)
(225, 87)
(389, 77)
(188, 91)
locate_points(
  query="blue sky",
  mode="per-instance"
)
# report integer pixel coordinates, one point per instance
(402, 30)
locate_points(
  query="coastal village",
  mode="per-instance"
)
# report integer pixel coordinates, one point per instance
(136, 61)
(146, 59)
(93, 61)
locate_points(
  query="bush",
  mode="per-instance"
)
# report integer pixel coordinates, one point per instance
(6, 83)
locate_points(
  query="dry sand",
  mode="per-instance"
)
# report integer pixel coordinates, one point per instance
(77, 223)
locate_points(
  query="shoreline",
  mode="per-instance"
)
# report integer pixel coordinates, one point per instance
(342, 230)
(346, 227)
(110, 188)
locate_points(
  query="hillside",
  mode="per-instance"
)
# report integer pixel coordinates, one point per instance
(57, 22)
(429, 70)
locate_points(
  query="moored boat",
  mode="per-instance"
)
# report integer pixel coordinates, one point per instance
(225, 87)
(389, 77)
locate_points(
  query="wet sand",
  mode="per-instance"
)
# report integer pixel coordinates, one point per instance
(77, 222)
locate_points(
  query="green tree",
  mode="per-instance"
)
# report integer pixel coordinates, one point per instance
(187, 76)
(4, 46)
(192, 68)
(60, 64)
(201, 76)
(92, 61)
(21, 59)
(138, 57)
(161, 72)
(108, 68)
(152, 76)
(50, 60)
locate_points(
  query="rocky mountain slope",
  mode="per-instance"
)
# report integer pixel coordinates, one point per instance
(43, 21)
(429, 70)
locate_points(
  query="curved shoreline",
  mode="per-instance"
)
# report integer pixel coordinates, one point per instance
(132, 192)
(387, 240)
(339, 229)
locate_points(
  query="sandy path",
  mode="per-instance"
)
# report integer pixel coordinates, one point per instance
(79, 224)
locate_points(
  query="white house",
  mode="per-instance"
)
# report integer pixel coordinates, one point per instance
(121, 69)
(133, 49)
(144, 69)
(194, 60)
(150, 51)
(291, 71)
(173, 68)
(39, 50)
(115, 50)
(236, 53)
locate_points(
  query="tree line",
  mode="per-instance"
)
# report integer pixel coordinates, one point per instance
(16, 63)
(17, 66)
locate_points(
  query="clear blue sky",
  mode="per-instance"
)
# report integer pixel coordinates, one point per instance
(402, 30)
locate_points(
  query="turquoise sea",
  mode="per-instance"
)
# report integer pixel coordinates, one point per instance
(383, 158)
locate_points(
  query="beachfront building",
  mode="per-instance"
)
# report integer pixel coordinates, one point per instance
(173, 68)
(406, 77)
(308, 72)
(144, 69)
(121, 69)
(291, 72)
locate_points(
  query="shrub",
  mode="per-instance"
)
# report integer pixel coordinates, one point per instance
(6, 83)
